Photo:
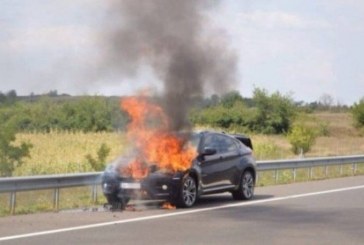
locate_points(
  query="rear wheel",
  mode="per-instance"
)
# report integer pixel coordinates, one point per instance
(246, 187)
(188, 193)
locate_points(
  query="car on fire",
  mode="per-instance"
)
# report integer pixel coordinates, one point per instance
(224, 163)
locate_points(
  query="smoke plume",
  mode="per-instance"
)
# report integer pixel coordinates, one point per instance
(174, 38)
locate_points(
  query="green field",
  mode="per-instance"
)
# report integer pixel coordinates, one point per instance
(64, 152)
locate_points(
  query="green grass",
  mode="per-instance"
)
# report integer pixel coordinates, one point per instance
(59, 152)
(318, 173)
(65, 152)
(42, 201)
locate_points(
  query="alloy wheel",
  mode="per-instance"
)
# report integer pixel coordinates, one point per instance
(189, 191)
(248, 185)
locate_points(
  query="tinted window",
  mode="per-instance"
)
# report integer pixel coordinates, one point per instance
(194, 140)
(221, 143)
(226, 144)
(209, 141)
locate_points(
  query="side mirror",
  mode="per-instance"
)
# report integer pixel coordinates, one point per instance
(207, 151)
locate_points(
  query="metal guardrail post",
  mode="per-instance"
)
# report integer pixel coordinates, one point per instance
(354, 168)
(326, 171)
(294, 174)
(310, 174)
(56, 199)
(94, 194)
(276, 174)
(12, 202)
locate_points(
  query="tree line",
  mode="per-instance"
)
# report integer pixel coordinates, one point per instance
(263, 113)
(85, 113)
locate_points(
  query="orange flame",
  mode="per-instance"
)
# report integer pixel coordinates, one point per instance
(168, 205)
(136, 169)
(149, 131)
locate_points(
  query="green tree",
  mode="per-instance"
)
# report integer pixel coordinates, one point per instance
(11, 156)
(9, 98)
(86, 113)
(274, 113)
(301, 138)
(89, 114)
(228, 100)
(232, 117)
(358, 113)
(2, 98)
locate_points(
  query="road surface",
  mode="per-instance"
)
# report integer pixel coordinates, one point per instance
(319, 212)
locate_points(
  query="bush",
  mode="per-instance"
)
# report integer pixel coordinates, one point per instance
(301, 138)
(268, 114)
(87, 113)
(229, 99)
(358, 113)
(274, 113)
(11, 156)
(99, 163)
(222, 116)
(323, 128)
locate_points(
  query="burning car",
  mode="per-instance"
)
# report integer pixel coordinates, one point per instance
(212, 163)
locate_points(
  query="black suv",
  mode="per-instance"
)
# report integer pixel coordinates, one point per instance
(224, 163)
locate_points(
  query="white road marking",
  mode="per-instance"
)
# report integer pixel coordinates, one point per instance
(240, 204)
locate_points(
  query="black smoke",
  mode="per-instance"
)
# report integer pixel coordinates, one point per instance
(175, 38)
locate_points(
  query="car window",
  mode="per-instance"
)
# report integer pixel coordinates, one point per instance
(221, 143)
(194, 140)
(226, 144)
(209, 141)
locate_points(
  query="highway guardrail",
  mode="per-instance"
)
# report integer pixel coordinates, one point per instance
(13, 185)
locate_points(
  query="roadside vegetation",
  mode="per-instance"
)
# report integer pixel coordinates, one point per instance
(358, 113)
(55, 134)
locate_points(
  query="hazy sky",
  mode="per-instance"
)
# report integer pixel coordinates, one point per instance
(306, 48)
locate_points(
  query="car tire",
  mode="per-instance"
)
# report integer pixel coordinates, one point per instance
(245, 190)
(117, 203)
(188, 193)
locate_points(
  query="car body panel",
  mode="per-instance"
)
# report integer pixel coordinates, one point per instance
(214, 173)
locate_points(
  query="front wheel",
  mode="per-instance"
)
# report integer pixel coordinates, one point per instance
(246, 187)
(117, 203)
(188, 193)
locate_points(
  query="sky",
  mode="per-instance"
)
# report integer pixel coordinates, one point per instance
(301, 48)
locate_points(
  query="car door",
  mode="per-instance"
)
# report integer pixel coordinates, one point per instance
(217, 169)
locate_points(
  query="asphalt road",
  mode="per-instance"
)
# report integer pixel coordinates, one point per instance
(321, 212)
